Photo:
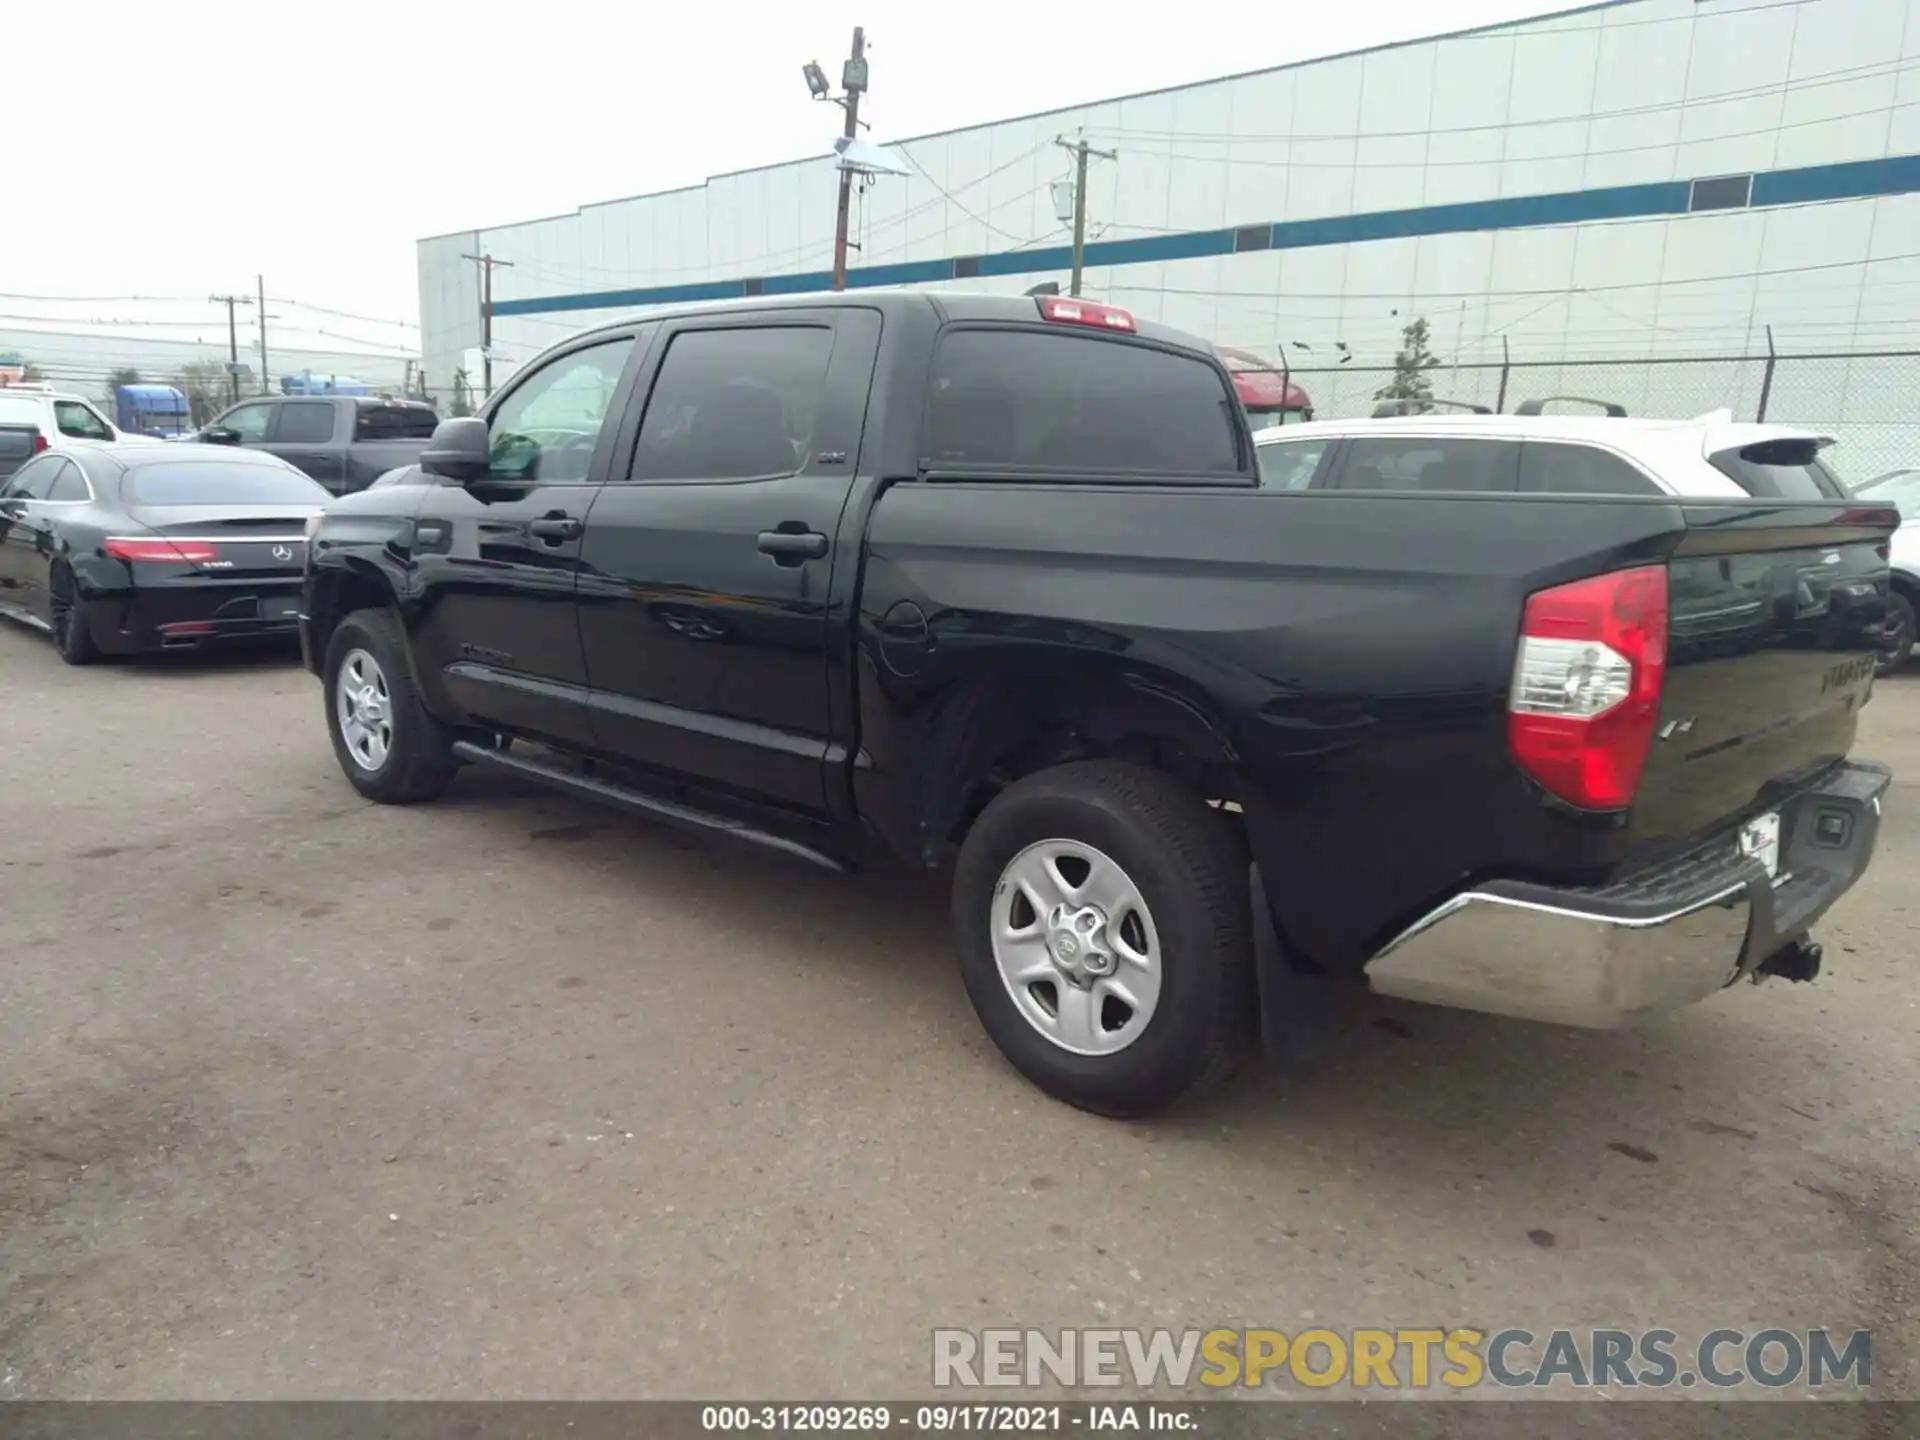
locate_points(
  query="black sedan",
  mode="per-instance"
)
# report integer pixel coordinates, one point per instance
(118, 549)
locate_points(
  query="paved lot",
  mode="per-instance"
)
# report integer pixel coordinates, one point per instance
(507, 1096)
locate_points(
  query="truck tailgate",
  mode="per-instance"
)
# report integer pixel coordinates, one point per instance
(1774, 611)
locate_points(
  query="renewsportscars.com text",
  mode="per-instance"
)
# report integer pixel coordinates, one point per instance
(1402, 1359)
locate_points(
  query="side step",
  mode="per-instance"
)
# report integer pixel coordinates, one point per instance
(605, 791)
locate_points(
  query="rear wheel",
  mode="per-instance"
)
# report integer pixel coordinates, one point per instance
(390, 748)
(1101, 910)
(1899, 634)
(72, 635)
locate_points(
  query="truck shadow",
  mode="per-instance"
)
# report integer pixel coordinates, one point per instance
(1440, 1094)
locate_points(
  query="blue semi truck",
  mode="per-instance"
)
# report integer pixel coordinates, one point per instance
(157, 410)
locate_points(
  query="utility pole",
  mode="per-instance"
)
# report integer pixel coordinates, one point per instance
(1080, 150)
(486, 263)
(853, 79)
(260, 286)
(233, 340)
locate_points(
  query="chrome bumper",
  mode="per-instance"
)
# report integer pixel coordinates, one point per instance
(1613, 955)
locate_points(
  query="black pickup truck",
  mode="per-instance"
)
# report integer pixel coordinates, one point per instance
(990, 582)
(345, 442)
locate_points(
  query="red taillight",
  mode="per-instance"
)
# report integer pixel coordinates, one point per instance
(39, 443)
(1063, 310)
(162, 552)
(1586, 685)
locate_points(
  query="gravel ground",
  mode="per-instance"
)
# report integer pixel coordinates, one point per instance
(510, 1097)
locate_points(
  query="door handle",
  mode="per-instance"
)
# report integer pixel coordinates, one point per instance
(792, 547)
(554, 528)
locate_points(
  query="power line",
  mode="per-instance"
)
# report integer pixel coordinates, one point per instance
(792, 253)
(1425, 164)
(348, 314)
(1852, 74)
(1555, 291)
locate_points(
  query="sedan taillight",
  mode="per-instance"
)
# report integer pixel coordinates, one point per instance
(162, 552)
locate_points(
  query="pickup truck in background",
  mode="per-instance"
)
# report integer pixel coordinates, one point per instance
(344, 442)
(993, 583)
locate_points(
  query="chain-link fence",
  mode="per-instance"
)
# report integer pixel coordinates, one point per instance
(1870, 402)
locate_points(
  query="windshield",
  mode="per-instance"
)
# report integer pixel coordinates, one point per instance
(202, 482)
(1900, 490)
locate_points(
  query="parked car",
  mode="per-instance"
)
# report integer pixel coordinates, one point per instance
(59, 417)
(117, 549)
(993, 581)
(344, 442)
(1537, 453)
(1900, 489)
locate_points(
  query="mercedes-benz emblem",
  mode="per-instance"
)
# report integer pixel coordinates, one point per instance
(281, 552)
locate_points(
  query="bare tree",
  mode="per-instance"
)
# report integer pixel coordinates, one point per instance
(206, 386)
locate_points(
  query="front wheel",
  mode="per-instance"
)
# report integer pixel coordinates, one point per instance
(1102, 916)
(1899, 636)
(391, 749)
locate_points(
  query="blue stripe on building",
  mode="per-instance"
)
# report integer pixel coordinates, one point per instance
(1852, 180)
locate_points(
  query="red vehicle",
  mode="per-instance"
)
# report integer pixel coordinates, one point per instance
(1268, 393)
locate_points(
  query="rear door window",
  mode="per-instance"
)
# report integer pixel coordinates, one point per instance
(735, 404)
(1291, 465)
(1444, 464)
(70, 485)
(1547, 468)
(1042, 402)
(1781, 470)
(33, 480)
(304, 422)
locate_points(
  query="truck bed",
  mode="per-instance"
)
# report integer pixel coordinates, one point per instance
(1352, 655)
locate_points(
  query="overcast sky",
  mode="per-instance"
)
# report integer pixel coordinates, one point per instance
(189, 145)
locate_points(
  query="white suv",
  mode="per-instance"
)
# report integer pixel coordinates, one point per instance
(1713, 456)
(60, 417)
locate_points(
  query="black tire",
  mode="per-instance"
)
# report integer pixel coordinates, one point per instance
(1188, 863)
(1900, 635)
(72, 633)
(418, 762)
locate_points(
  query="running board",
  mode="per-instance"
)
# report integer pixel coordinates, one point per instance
(593, 788)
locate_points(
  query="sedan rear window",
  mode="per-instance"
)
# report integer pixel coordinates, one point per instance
(1781, 470)
(200, 482)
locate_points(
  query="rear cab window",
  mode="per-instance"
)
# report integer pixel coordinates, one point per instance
(1046, 402)
(393, 422)
(1787, 469)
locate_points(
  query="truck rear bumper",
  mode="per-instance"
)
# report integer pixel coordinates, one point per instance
(1649, 943)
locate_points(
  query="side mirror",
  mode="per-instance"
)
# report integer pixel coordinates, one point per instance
(460, 450)
(219, 435)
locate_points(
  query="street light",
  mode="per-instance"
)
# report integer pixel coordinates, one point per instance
(817, 83)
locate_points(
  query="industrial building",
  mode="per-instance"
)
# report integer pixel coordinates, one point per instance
(1624, 197)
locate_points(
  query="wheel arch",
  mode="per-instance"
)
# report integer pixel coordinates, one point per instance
(336, 591)
(982, 730)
